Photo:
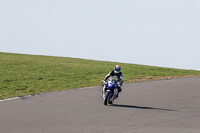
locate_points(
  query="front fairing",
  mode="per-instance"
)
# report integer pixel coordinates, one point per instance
(111, 83)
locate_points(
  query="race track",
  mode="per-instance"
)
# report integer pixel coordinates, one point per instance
(165, 106)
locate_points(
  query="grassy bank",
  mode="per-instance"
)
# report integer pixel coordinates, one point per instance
(30, 74)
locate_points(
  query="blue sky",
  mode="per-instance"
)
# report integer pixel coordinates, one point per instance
(158, 32)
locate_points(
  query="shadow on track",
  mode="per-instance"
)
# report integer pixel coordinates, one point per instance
(138, 107)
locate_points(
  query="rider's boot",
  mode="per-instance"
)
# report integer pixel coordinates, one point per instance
(117, 95)
(119, 90)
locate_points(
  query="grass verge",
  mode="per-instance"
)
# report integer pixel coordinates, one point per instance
(22, 74)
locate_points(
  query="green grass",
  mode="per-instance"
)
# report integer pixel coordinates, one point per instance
(30, 74)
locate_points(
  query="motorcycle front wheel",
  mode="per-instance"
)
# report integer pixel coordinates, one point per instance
(107, 99)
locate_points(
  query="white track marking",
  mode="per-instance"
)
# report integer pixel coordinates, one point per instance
(36, 94)
(9, 99)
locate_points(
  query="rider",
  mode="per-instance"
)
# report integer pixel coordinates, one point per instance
(118, 73)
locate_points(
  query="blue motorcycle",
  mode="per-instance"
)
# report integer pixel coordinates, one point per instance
(110, 90)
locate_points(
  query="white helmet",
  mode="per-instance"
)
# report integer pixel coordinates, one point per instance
(117, 69)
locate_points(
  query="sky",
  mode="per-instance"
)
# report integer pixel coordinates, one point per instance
(163, 33)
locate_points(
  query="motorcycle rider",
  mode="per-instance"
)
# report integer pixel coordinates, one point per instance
(118, 73)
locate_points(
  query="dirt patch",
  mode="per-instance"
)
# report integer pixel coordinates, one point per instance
(150, 78)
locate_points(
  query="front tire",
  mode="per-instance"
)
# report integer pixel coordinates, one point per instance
(107, 98)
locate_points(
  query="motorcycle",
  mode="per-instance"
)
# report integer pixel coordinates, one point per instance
(110, 90)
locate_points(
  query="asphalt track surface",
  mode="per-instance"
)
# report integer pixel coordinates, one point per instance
(165, 106)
